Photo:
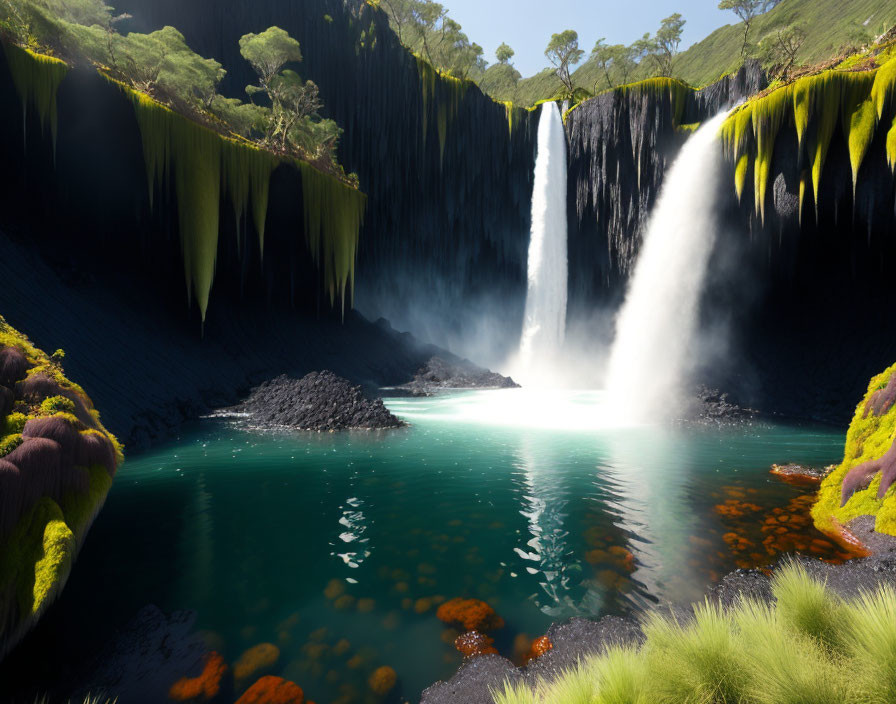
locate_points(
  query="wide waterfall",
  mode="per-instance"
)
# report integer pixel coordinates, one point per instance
(656, 328)
(544, 326)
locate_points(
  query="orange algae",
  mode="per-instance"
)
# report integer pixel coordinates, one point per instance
(206, 686)
(470, 615)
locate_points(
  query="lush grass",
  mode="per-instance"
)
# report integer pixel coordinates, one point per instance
(807, 647)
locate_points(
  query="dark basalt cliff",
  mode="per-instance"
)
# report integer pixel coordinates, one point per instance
(447, 170)
(620, 144)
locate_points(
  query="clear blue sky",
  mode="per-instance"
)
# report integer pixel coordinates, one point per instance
(527, 25)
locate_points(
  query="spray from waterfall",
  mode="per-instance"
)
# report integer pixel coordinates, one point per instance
(656, 329)
(544, 325)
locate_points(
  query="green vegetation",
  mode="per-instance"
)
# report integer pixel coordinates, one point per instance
(831, 27)
(56, 404)
(815, 105)
(198, 141)
(38, 548)
(869, 437)
(807, 646)
(162, 66)
(563, 51)
(425, 28)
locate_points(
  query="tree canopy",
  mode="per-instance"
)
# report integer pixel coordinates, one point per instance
(563, 51)
(504, 53)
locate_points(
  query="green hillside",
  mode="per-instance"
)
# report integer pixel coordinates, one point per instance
(829, 25)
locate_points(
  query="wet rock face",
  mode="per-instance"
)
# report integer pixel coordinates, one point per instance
(320, 401)
(439, 373)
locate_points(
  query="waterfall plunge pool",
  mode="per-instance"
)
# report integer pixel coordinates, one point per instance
(337, 548)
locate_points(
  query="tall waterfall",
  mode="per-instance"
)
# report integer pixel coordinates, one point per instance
(544, 326)
(657, 325)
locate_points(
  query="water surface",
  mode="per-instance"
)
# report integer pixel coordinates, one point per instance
(338, 548)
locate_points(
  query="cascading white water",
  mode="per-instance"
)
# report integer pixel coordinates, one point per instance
(544, 326)
(657, 325)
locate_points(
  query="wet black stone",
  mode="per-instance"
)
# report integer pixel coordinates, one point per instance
(319, 401)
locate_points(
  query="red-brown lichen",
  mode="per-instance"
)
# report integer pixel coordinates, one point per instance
(474, 643)
(273, 690)
(470, 615)
(203, 688)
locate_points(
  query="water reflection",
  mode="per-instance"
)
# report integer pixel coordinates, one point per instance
(649, 470)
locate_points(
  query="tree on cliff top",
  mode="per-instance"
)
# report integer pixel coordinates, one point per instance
(666, 42)
(747, 10)
(563, 51)
(504, 53)
(293, 119)
(613, 60)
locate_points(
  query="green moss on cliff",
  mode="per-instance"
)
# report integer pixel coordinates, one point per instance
(334, 213)
(869, 437)
(37, 78)
(443, 93)
(814, 106)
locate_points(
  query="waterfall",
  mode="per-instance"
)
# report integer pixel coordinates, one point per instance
(544, 326)
(656, 328)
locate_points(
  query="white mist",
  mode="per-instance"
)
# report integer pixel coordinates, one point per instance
(544, 325)
(656, 328)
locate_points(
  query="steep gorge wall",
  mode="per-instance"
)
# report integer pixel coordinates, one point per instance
(446, 169)
(620, 145)
(800, 292)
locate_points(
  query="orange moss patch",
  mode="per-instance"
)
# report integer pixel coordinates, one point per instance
(539, 647)
(205, 687)
(273, 690)
(472, 644)
(383, 680)
(470, 615)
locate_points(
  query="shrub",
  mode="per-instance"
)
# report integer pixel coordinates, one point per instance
(56, 404)
(9, 443)
(14, 424)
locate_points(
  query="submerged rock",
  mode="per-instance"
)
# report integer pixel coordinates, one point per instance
(440, 374)
(320, 401)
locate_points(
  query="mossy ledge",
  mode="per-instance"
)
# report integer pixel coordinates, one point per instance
(870, 437)
(859, 102)
(53, 479)
(200, 166)
(442, 94)
(37, 78)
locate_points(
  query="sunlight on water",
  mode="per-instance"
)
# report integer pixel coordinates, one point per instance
(550, 409)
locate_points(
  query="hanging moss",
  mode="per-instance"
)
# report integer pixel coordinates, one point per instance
(677, 91)
(891, 146)
(334, 213)
(198, 163)
(448, 93)
(740, 174)
(37, 78)
(814, 105)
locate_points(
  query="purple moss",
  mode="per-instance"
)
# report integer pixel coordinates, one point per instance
(7, 401)
(95, 450)
(58, 429)
(881, 400)
(13, 365)
(860, 477)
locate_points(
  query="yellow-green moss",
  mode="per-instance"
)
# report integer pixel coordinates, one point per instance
(334, 213)
(814, 105)
(201, 164)
(676, 90)
(14, 423)
(8, 443)
(448, 93)
(868, 438)
(37, 78)
(80, 509)
(36, 558)
(56, 404)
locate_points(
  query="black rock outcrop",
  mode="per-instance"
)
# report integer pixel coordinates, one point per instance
(319, 401)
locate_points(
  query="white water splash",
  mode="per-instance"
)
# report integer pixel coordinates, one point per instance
(544, 327)
(653, 352)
